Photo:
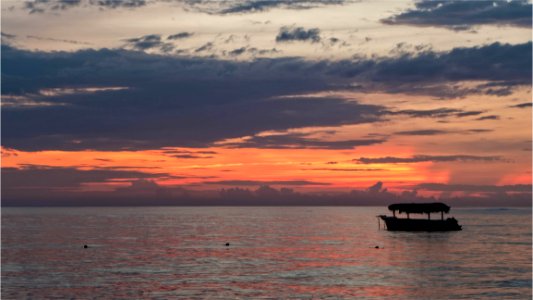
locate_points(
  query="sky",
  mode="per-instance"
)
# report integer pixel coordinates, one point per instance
(133, 102)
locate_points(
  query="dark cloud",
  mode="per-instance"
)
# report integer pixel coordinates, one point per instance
(376, 188)
(422, 132)
(291, 33)
(186, 154)
(522, 105)
(191, 101)
(333, 40)
(254, 6)
(495, 62)
(468, 113)
(178, 36)
(497, 88)
(145, 191)
(426, 158)
(480, 130)
(256, 51)
(190, 156)
(179, 151)
(57, 40)
(41, 6)
(346, 169)
(204, 6)
(259, 183)
(490, 117)
(298, 140)
(7, 35)
(437, 113)
(473, 188)
(237, 52)
(151, 41)
(31, 177)
(462, 15)
(118, 3)
(429, 132)
(205, 47)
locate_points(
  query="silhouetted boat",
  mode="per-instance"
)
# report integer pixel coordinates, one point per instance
(407, 224)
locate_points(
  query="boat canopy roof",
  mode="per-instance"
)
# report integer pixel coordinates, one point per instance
(420, 208)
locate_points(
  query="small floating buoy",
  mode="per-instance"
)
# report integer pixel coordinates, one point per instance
(227, 244)
(85, 246)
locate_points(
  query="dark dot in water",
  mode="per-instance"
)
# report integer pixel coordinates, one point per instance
(227, 244)
(377, 247)
(85, 246)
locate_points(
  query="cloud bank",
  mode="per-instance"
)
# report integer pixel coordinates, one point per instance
(147, 101)
(462, 15)
(425, 158)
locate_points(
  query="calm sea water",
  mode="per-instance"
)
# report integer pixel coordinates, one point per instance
(274, 252)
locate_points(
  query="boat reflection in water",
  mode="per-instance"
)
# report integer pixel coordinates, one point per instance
(407, 224)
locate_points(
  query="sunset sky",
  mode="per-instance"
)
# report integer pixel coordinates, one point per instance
(102, 98)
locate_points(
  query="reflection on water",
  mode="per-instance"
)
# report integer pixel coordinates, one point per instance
(278, 252)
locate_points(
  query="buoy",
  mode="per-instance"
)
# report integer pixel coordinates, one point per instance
(227, 244)
(85, 246)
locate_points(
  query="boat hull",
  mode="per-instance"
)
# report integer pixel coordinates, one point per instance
(397, 224)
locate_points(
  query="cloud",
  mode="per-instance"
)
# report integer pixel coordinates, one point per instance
(429, 132)
(118, 3)
(259, 183)
(145, 191)
(462, 15)
(178, 36)
(346, 169)
(376, 188)
(254, 6)
(41, 6)
(422, 132)
(190, 156)
(201, 101)
(501, 62)
(58, 40)
(291, 34)
(296, 141)
(187, 153)
(426, 158)
(237, 52)
(490, 117)
(437, 113)
(32, 177)
(474, 188)
(479, 130)
(203, 6)
(468, 113)
(7, 35)
(522, 105)
(205, 47)
(256, 51)
(150, 41)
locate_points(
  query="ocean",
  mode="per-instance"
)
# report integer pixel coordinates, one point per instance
(273, 253)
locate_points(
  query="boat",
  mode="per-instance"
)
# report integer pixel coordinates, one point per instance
(394, 223)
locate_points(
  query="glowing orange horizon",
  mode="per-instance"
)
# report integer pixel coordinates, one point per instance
(329, 169)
